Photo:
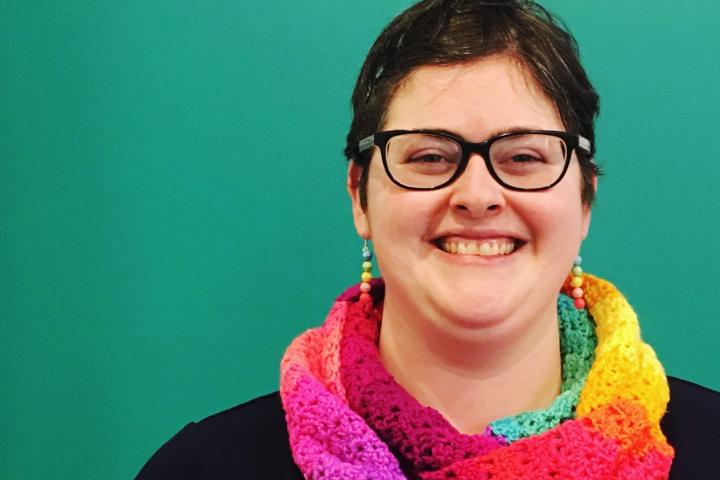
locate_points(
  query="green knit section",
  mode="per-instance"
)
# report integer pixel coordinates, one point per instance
(577, 348)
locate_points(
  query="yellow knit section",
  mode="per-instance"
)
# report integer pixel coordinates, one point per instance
(625, 367)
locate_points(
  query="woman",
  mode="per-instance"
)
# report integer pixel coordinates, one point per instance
(471, 172)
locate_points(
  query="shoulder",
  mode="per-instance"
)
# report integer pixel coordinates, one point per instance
(692, 427)
(246, 441)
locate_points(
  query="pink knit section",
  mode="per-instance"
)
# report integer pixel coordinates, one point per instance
(421, 435)
(317, 352)
(330, 354)
(328, 440)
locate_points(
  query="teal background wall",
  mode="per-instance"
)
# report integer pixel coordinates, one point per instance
(172, 206)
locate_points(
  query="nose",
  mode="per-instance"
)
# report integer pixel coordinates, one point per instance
(475, 192)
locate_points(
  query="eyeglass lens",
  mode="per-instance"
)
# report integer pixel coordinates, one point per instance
(421, 160)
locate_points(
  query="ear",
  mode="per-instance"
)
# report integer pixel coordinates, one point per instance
(360, 215)
(587, 213)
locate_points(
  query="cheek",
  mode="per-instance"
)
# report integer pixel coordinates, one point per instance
(394, 211)
(557, 221)
(399, 217)
(567, 214)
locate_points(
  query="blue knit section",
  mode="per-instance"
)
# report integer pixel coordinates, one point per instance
(577, 348)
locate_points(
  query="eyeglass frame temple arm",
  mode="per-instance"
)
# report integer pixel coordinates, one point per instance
(366, 143)
(584, 144)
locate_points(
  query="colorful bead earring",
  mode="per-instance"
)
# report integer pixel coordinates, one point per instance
(366, 274)
(576, 282)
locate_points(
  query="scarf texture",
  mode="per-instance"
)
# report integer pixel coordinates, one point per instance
(349, 419)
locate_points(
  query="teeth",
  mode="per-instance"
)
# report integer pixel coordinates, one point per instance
(488, 247)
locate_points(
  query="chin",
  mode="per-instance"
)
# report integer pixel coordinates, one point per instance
(468, 309)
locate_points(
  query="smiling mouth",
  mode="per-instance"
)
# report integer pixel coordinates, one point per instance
(486, 247)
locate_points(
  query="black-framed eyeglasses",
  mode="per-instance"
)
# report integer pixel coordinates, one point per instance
(528, 160)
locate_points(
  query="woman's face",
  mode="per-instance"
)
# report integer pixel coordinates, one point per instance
(412, 231)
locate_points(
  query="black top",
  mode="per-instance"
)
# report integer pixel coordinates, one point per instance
(251, 441)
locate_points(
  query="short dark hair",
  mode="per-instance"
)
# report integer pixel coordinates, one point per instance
(452, 32)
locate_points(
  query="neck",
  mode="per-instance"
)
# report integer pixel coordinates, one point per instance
(476, 378)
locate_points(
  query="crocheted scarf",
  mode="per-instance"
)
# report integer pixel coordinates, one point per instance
(349, 419)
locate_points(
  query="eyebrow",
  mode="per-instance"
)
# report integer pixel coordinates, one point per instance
(493, 133)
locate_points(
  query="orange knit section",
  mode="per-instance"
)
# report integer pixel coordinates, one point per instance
(627, 423)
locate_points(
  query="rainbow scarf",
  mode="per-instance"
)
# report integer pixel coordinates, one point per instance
(348, 418)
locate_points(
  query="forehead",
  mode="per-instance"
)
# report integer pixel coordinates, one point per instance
(476, 99)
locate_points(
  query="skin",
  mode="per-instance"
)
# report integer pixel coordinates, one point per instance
(474, 337)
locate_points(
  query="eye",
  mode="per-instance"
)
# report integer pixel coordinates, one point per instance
(412, 156)
(525, 158)
(519, 162)
(430, 158)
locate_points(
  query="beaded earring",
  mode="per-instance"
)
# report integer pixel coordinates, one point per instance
(366, 274)
(576, 282)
